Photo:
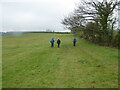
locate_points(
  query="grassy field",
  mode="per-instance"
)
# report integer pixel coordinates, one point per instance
(0, 62)
(30, 62)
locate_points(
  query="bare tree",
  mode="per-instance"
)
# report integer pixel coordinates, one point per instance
(100, 13)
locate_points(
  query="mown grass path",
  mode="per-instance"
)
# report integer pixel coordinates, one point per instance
(30, 62)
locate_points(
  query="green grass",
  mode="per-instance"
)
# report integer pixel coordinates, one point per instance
(30, 62)
(0, 62)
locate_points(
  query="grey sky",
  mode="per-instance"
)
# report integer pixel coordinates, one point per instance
(35, 14)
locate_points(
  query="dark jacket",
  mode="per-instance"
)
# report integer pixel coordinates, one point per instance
(58, 41)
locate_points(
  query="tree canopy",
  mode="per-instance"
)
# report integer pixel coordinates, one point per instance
(94, 20)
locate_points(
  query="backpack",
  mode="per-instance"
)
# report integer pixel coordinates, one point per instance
(75, 40)
(52, 41)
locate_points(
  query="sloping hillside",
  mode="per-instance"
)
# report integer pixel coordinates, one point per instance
(30, 62)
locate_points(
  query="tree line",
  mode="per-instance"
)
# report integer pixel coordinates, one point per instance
(95, 21)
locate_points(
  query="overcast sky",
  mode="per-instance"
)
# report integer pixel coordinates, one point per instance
(35, 14)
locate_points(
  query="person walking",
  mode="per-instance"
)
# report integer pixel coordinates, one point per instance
(58, 42)
(74, 41)
(52, 42)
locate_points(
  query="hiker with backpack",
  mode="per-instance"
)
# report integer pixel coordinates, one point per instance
(58, 42)
(74, 41)
(52, 42)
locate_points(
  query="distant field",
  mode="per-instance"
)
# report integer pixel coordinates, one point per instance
(29, 62)
(0, 61)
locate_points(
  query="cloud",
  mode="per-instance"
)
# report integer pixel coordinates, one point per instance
(35, 14)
